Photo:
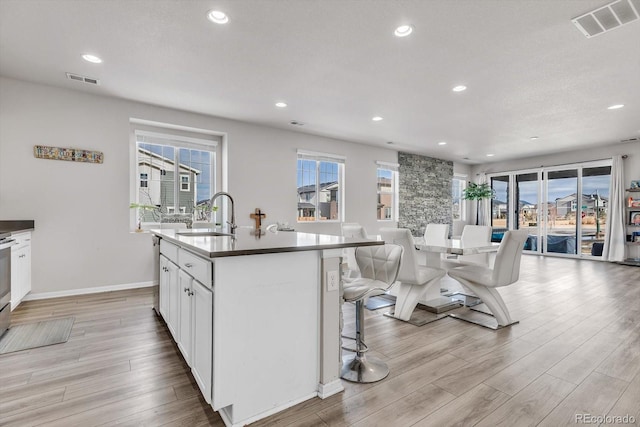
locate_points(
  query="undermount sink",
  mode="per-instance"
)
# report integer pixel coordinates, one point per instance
(202, 233)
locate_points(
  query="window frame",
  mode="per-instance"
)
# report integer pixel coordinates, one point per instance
(143, 132)
(320, 158)
(462, 179)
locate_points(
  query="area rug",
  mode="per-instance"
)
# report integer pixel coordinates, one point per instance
(32, 335)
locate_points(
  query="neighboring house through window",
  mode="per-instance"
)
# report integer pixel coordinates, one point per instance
(320, 186)
(177, 174)
(387, 191)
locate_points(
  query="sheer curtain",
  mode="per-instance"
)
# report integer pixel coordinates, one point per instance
(484, 217)
(614, 243)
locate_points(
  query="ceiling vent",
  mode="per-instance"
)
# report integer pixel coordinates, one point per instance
(609, 17)
(83, 79)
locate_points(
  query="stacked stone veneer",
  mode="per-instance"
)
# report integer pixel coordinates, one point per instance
(424, 192)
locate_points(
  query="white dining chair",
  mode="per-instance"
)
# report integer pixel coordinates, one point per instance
(483, 280)
(352, 229)
(457, 227)
(436, 235)
(414, 279)
(472, 235)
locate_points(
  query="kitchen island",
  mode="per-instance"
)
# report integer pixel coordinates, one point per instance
(257, 318)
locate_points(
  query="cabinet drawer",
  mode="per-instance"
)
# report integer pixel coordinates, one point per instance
(197, 267)
(169, 250)
(22, 239)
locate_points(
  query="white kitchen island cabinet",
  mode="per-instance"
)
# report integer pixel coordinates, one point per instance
(263, 326)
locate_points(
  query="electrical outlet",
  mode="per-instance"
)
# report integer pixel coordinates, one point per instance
(332, 280)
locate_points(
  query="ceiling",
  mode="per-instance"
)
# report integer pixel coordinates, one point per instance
(336, 63)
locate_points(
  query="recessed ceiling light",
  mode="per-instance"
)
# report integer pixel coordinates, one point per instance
(217, 17)
(459, 88)
(390, 142)
(281, 104)
(91, 58)
(533, 138)
(615, 107)
(442, 143)
(376, 118)
(490, 155)
(403, 30)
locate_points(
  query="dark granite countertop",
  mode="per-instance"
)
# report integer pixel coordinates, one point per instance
(246, 243)
(14, 226)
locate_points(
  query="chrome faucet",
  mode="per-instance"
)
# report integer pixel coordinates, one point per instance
(232, 223)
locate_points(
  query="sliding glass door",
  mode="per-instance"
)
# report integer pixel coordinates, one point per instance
(527, 214)
(561, 225)
(595, 205)
(563, 208)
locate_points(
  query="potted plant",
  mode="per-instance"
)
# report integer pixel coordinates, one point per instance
(478, 192)
(141, 210)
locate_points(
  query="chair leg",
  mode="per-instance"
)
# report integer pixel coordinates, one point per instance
(407, 300)
(491, 297)
(358, 367)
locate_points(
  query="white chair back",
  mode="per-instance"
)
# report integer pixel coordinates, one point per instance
(402, 236)
(476, 235)
(353, 229)
(436, 234)
(506, 269)
(380, 262)
(457, 227)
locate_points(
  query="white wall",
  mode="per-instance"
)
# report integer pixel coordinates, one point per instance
(81, 212)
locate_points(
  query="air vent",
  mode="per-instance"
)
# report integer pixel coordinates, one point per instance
(83, 79)
(607, 18)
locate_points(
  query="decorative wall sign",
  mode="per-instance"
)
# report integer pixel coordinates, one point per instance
(70, 154)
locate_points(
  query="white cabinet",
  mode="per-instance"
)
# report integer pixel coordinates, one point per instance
(20, 267)
(186, 304)
(184, 336)
(169, 294)
(202, 337)
(195, 337)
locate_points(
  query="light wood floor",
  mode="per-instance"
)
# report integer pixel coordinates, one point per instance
(575, 351)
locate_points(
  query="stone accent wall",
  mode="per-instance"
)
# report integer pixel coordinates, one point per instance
(424, 192)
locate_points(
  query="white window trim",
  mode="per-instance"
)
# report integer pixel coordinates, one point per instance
(189, 137)
(325, 157)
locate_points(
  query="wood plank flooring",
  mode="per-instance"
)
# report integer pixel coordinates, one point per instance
(575, 351)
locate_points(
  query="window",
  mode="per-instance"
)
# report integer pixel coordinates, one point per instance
(319, 187)
(387, 191)
(184, 183)
(177, 174)
(458, 184)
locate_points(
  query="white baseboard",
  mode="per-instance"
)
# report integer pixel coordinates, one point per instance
(326, 390)
(227, 419)
(85, 291)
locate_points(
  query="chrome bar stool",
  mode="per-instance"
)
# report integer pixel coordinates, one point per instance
(379, 266)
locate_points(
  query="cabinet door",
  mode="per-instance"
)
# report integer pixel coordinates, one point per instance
(20, 274)
(184, 334)
(201, 357)
(173, 320)
(165, 279)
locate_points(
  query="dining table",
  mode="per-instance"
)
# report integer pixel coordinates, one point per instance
(431, 252)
